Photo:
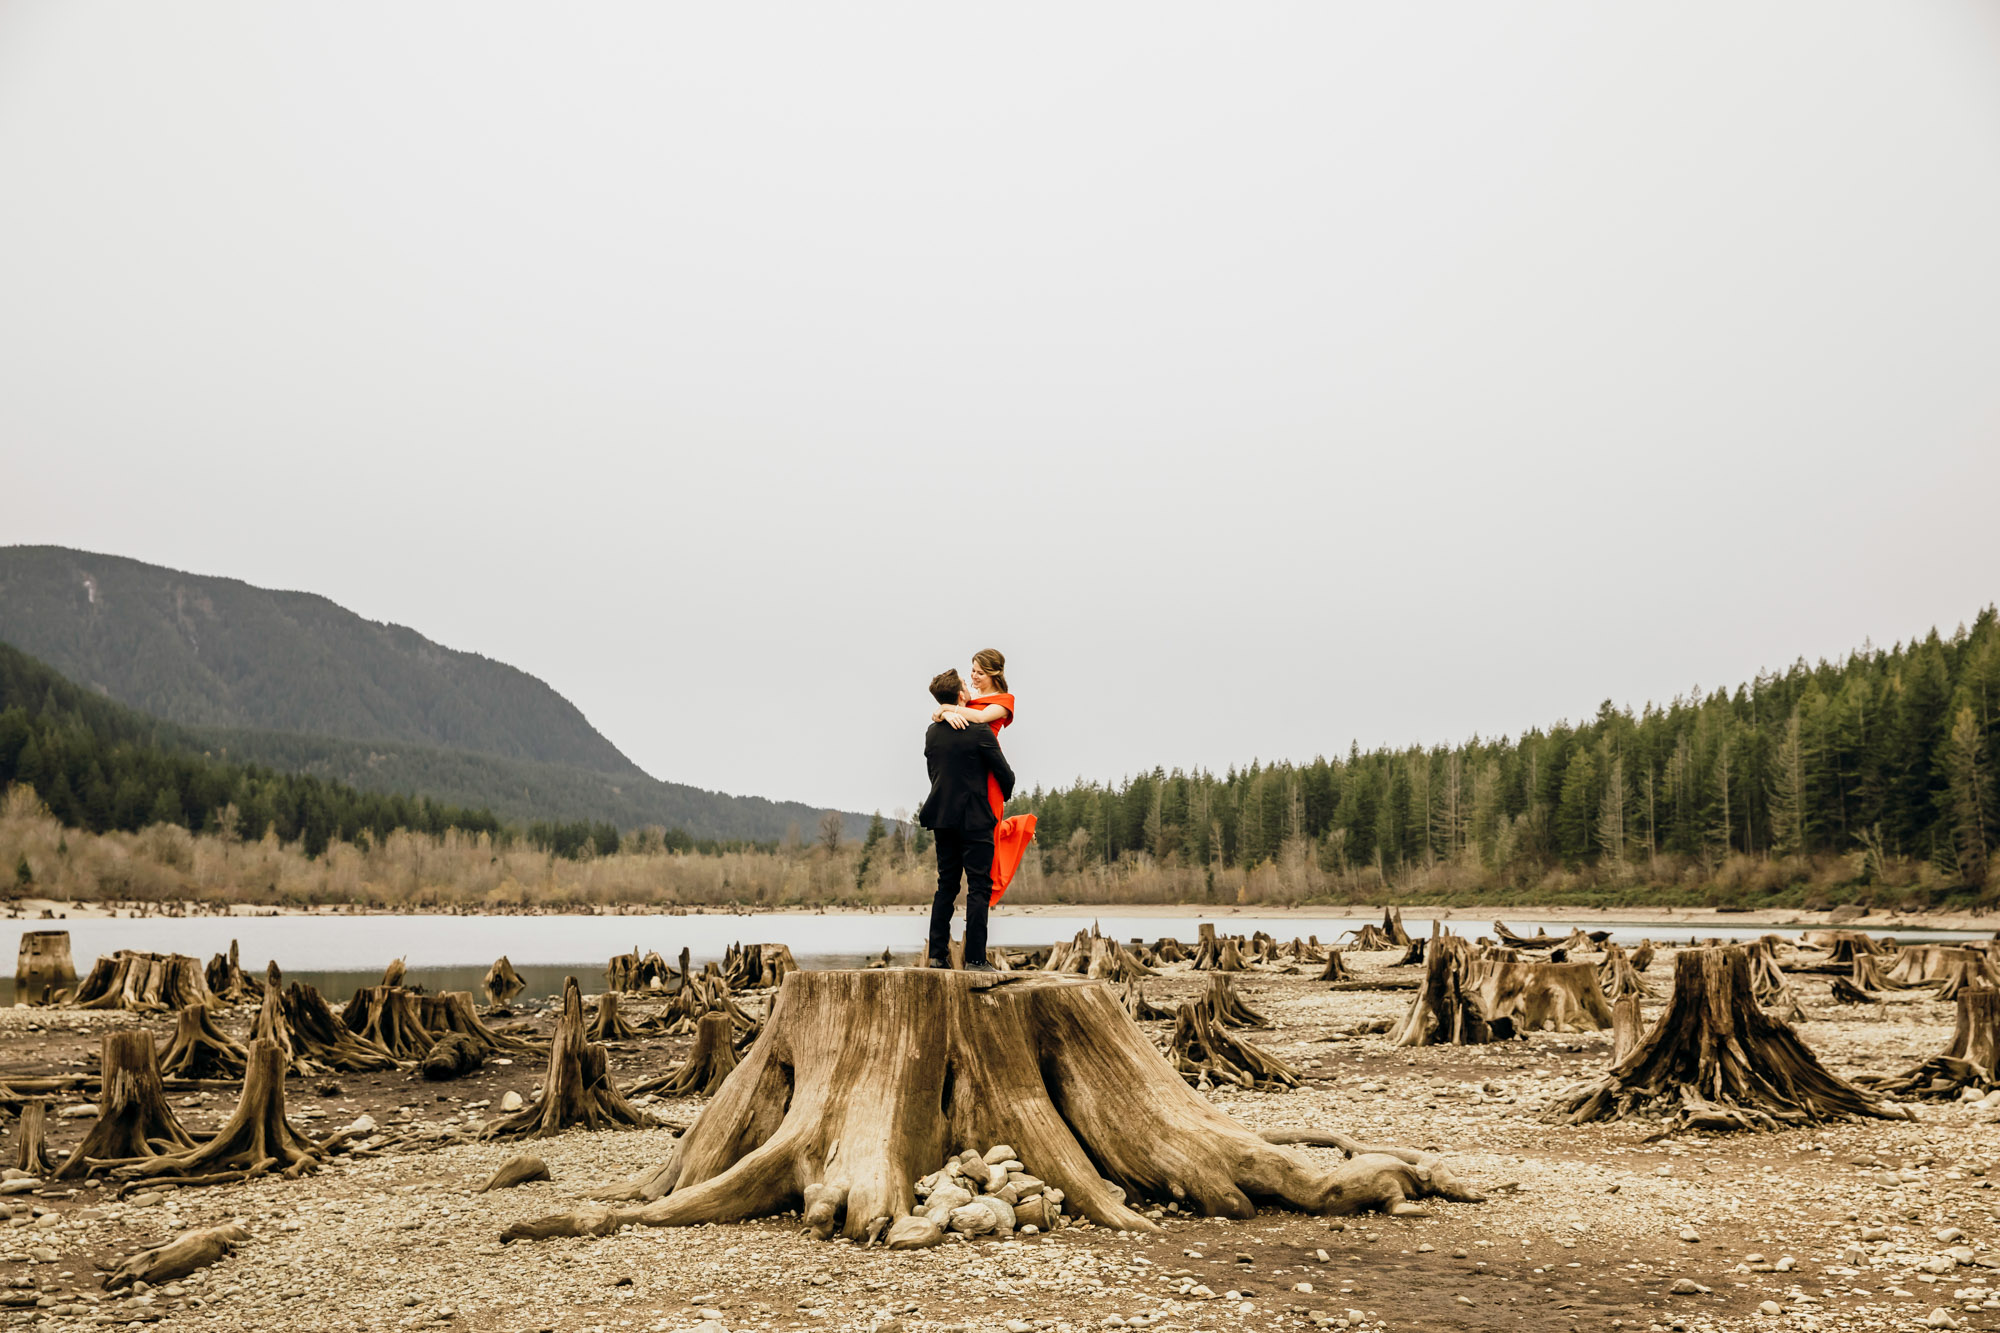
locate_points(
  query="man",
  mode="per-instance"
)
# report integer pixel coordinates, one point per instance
(959, 813)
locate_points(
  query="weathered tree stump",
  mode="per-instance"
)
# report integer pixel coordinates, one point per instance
(454, 1056)
(134, 1121)
(576, 1091)
(1169, 950)
(31, 1147)
(1226, 1007)
(44, 969)
(1626, 1027)
(1371, 938)
(319, 1034)
(1392, 927)
(1336, 966)
(1972, 1060)
(1207, 1053)
(863, 1080)
(147, 982)
(631, 971)
(256, 1139)
(758, 966)
(1642, 957)
(1207, 948)
(453, 1011)
(1716, 1060)
(199, 1049)
(607, 1024)
(1844, 991)
(1413, 955)
(502, 983)
(227, 981)
(1534, 995)
(1446, 1010)
(1139, 1008)
(389, 1017)
(708, 1062)
(393, 974)
(1617, 976)
(1963, 969)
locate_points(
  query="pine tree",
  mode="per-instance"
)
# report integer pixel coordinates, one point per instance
(1611, 811)
(24, 875)
(1576, 807)
(1969, 796)
(1789, 794)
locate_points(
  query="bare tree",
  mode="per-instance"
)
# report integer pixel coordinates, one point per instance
(829, 831)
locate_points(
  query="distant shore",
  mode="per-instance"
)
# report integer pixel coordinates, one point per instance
(1477, 919)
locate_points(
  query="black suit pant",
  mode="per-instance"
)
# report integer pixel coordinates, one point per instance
(963, 853)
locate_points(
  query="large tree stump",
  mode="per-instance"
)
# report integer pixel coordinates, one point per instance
(318, 1033)
(576, 1091)
(200, 1049)
(1533, 995)
(759, 966)
(1111, 961)
(1972, 1060)
(1392, 927)
(31, 1146)
(863, 1080)
(1716, 1060)
(147, 982)
(256, 1139)
(134, 1121)
(453, 1011)
(1447, 1011)
(43, 969)
(389, 1017)
(1963, 969)
(631, 971)
(502, 982)
(708, 1062)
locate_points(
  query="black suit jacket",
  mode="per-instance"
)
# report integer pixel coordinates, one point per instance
(959, 762)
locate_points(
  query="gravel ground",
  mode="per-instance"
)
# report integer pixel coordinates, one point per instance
(1760, 1231)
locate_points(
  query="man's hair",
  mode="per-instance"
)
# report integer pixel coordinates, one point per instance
(945, 686)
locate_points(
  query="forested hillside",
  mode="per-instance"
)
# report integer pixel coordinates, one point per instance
(294, 682)
(1890, 755)
(217, 652)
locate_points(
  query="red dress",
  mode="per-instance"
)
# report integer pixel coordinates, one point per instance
(1011, 835)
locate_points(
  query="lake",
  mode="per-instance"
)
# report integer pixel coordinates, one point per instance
(339, 953)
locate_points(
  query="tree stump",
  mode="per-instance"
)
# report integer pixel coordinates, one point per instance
(44, 968)
(1169, 950)
(134, 1122)
(454, 1056)
(1139, 1008)
(1642, 957)
(146, 982)
(1207, 949)
(453, 1011)
(1563, 996)
(607, 1024)
(1962, 969)
(631, 971)
(1625, 1027)
(1206, 1053)
(1617, 976)
(1846, 992)
(1392, 927)
(1226, 1007)
(31, 1148)
(1336, 966)
(256, 1139)
(319, 1034)
(708, 1062)
(389, 1017)
(1972, 1060)
(393, 974)
(863, 1080)
(1716, 1061)
(760, 966)
(199, 1049)
(1447, 1011)
(576, 1090)
(226, 980)
(502, 983)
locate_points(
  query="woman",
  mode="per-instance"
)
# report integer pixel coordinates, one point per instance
(993, 705)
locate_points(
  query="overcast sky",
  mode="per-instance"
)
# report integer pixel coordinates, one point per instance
(1257, 378)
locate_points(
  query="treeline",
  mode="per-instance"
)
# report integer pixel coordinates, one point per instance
(99, 766)
(1890, 755)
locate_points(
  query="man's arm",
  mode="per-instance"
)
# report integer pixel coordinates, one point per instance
(996, 759)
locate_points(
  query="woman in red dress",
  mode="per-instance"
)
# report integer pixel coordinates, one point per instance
(993, 705)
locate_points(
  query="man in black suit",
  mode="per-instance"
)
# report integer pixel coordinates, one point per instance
(959, 813)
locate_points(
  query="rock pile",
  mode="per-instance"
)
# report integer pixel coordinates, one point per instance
(978, 1194)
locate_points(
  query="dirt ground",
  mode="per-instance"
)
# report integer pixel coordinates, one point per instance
(1584, 1227)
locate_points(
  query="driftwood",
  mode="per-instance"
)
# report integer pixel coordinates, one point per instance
(178, 1257)
(840, 1103)
(708, 1062)
(454, 1056)
(199, 1049)
(134, 1122)
(227, 981)
(516, 1170)
(502, 983)
(148, 982)
(576, 1090)
(1541, 939)
(1207, 1053)
(1972, 1060)
(1846, 992)
(31, 1148)
(1382, 1178)
(1716, 1060)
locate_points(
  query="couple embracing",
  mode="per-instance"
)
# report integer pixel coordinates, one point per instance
(966, 809)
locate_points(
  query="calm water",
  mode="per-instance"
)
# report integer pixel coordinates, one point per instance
(338, 953)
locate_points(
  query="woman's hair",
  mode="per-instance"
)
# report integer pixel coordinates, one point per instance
(994, 663)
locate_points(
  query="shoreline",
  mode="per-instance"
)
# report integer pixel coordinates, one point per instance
(30, 914)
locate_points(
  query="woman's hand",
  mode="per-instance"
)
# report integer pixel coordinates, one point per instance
(957, 720)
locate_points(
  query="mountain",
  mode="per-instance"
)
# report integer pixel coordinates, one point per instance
(297, 682)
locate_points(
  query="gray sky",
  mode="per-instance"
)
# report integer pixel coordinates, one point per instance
(1255, 377)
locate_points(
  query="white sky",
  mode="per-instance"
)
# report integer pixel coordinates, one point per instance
(1257, 378)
